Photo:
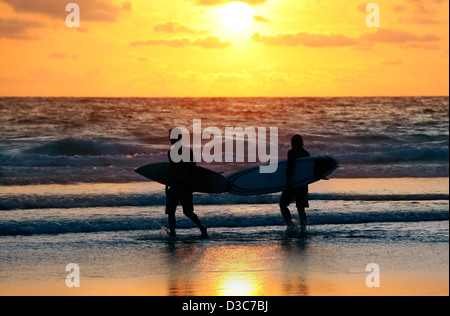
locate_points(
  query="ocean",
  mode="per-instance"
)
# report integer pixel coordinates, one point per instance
(69, 193)
(76, 140)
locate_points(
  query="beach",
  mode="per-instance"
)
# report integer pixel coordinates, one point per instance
(69, 195)
(126, 250)
(243, 267)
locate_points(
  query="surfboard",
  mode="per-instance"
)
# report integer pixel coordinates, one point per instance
(306, 171)
(206, 180)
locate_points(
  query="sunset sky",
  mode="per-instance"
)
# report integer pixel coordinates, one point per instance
(181, 48)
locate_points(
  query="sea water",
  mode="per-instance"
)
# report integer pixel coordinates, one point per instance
(68, 190)
(70, 140)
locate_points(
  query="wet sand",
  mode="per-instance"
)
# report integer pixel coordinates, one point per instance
(230, 263)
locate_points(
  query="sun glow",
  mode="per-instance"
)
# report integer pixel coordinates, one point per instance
(137, 44)
(237, 16)
(236, 284)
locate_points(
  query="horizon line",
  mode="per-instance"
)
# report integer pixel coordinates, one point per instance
(226, 97)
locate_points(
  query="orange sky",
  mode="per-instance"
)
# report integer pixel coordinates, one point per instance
(177, 48)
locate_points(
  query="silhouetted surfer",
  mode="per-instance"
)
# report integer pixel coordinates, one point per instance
(180, 189)
(301, 193)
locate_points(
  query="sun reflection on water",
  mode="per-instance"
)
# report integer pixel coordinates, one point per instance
(239, 284)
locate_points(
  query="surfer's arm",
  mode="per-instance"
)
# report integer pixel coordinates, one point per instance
(290, 169)
(170, 172)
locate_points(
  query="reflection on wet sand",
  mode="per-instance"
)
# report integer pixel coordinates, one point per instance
(302, 266)
(181, 261)
(295, 272)
(237, 270)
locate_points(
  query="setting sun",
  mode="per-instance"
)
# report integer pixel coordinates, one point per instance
(179, 148)
(237, 16)
(133, 48)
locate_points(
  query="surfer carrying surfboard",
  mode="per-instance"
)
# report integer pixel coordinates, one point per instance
(180, 188)
(301, 193)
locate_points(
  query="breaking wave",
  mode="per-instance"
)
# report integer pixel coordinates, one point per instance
(155, 220)
(19, 202)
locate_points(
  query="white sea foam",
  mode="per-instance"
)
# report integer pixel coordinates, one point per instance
(17, 202)
(58, 221)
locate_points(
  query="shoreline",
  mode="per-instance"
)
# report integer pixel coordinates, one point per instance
(398, 185)
(124, 251)
(239, 266)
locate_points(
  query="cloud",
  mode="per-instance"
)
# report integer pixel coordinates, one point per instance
(426, 7)
(399, 9)
(383, 35)
(397, 62)
(362, 7)
(179, 42)
(422, 12)
(418, 20)
(16, 29)
(91, 10)
(204, 42)
(305, 39)
(261, 19)
(57, 55)
(338, 40)
(210, 3)
(176, 27)
(211, 42)
(420, 46)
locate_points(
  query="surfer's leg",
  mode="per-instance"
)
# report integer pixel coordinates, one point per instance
(193, 217)
(285, 201)
(286, 214)
(301, 197)
(172, 224)
(303, 219)
(187, 202)
(302, 215)
(171, 207)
